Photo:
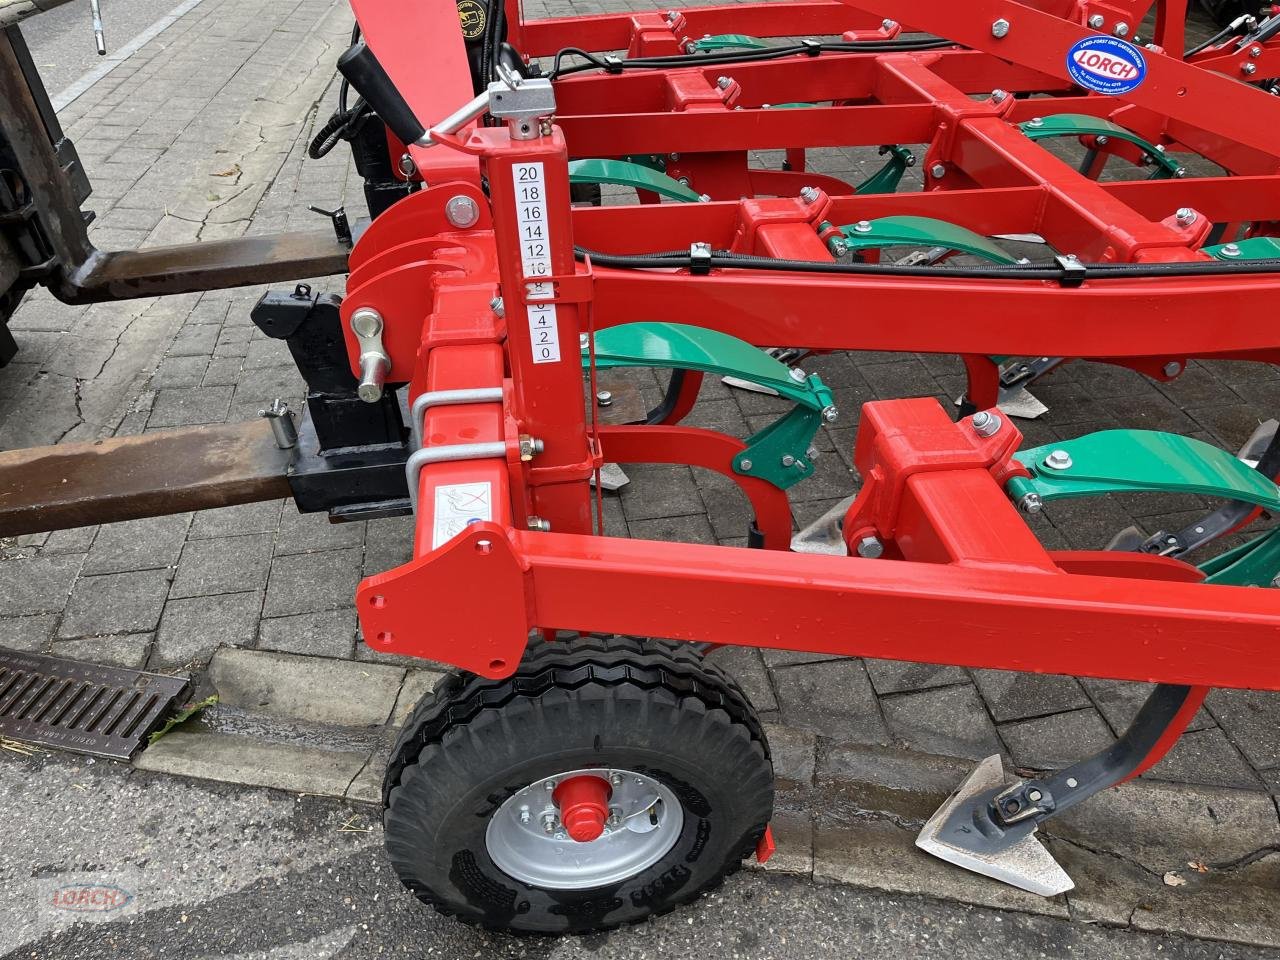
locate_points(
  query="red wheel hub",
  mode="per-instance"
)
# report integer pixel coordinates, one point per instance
(584, 806)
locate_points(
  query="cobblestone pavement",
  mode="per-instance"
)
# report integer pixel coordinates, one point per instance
(201, 135)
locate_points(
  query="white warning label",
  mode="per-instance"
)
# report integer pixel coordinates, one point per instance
(457, 505)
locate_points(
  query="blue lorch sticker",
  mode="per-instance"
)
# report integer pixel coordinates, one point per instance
(1106, 65)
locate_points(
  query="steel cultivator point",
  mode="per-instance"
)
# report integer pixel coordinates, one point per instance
(569, 777)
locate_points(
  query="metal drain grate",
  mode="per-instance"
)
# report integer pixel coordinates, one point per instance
(81, 707)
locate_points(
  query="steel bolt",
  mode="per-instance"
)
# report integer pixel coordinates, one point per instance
(837, 246)
(1121, 30)
(797, 375)
(498, 308)
(938, 171)
(550, 787)
(1231, 250)
(1172, 368)
(1058, 460)
(540, 525)
(788, 460)
(808, 194)
(615, 779)
(525, 816)
(1097, 21)
(870, 548)
(830, 414)
(407, 166)
(999, 96)
(723, 82)
(1031, 503)
(1035, 796)
(862, 226)
(1036, 122)
(1249, 69)
(986, 424)
(1000, 29)
(549, 822)
(604, 398)
(462, 212)
(888, 25)
(1102, 141)
(1255, 52)
(744, 464)
(530, 447)
(1072, 782)
(1185, 216)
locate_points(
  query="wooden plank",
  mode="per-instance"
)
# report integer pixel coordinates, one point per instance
(125, 478)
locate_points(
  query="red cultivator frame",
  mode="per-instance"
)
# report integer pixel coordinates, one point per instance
(581, 783)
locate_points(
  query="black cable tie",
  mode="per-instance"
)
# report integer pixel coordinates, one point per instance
(812, 47)
(700, 259)
(1074, 272)
(612, 64)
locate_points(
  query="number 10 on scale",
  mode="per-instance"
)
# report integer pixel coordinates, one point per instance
(535, 258)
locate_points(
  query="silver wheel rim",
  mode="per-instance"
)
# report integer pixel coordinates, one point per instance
(526, 840)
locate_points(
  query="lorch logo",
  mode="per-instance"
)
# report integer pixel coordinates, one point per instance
(91, 898)
(1106, 65)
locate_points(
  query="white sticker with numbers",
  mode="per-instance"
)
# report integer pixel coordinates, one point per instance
(535, 258)
(544, 333)
(531, 217)
(458, 505)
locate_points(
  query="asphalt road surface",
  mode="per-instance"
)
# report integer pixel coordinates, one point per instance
(214, 872)
(62, 43)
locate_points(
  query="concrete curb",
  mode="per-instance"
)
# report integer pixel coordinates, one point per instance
(1202, 862)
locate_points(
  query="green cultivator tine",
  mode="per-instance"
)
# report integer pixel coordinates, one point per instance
(1252, 248)
(729, 41)
(887, 178)
(919, 232)
(1128, 461)
(1252, 564)
(1083, 125)
(626, 174)
(780, 452)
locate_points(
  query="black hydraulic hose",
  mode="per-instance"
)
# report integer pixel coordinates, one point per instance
(730, 57)
(1216, 39)
(1074, 274)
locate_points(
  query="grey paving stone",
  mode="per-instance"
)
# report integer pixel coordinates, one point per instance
(690, 529)
(36, 585)
(180, 407)
(1016, 696)
(418, 683)
(115, 603)
(1205, 756)
(75, 540)
(129, 650)
(309, 532)
(897, 676)
(232, 759)
(237, 521)
(30, 634)
(307, 582)
(1050, 743)
(229, 565)
(1252, 720)
(785, 658)
(794, 753)
(306, 688)
(949, 721)
(138, 544)
(387, 543)
(833, 699)
(330, 633)
(746, 666)
(192, 629)
(660, 491)
(1119, 701)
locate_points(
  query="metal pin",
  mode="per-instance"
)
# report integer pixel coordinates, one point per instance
(96, 7)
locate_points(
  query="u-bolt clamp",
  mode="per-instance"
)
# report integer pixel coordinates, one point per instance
(444, 398)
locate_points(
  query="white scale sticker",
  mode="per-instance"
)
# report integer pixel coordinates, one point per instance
(535, 258)
(458, 505)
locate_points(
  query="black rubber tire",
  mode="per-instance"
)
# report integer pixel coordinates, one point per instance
(649, 706)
